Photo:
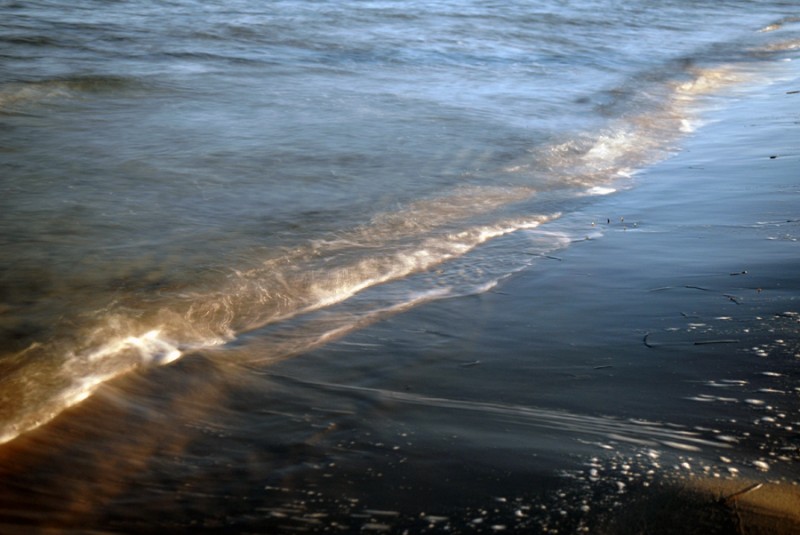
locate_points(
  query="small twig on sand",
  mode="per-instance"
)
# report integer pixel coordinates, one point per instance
(697, 288)
(738, 494)
(544, 256)
(732, 298)
(696, 342)
(645, 340)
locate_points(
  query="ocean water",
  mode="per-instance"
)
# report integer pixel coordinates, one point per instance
(220, 186)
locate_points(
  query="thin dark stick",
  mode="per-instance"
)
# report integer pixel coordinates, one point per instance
(746, 490)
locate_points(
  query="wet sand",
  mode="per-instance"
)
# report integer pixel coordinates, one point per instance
(709, 506)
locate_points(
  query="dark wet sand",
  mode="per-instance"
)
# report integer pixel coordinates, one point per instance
(709, 506)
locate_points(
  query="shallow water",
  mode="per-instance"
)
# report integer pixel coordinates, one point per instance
(222, 186)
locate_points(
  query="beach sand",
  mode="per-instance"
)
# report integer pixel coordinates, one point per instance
(709, 506)
(726, 213)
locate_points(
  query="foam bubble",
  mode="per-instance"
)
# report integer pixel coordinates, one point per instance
(601, 190)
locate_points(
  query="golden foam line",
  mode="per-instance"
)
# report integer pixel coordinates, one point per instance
(152, 349)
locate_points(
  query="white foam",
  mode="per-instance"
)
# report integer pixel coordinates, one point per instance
(151, 347)
(601, 190)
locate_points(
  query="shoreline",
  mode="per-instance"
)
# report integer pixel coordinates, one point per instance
(682, 308)
(685, 310)
(654, 363)
(696, 267)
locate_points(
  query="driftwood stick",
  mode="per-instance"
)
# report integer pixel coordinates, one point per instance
(738, 494)
(542, 255)
(708, 342)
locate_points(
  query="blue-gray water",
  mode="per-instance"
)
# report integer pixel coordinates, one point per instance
(249, 180)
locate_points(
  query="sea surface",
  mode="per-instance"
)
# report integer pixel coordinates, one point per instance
(194, 191)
